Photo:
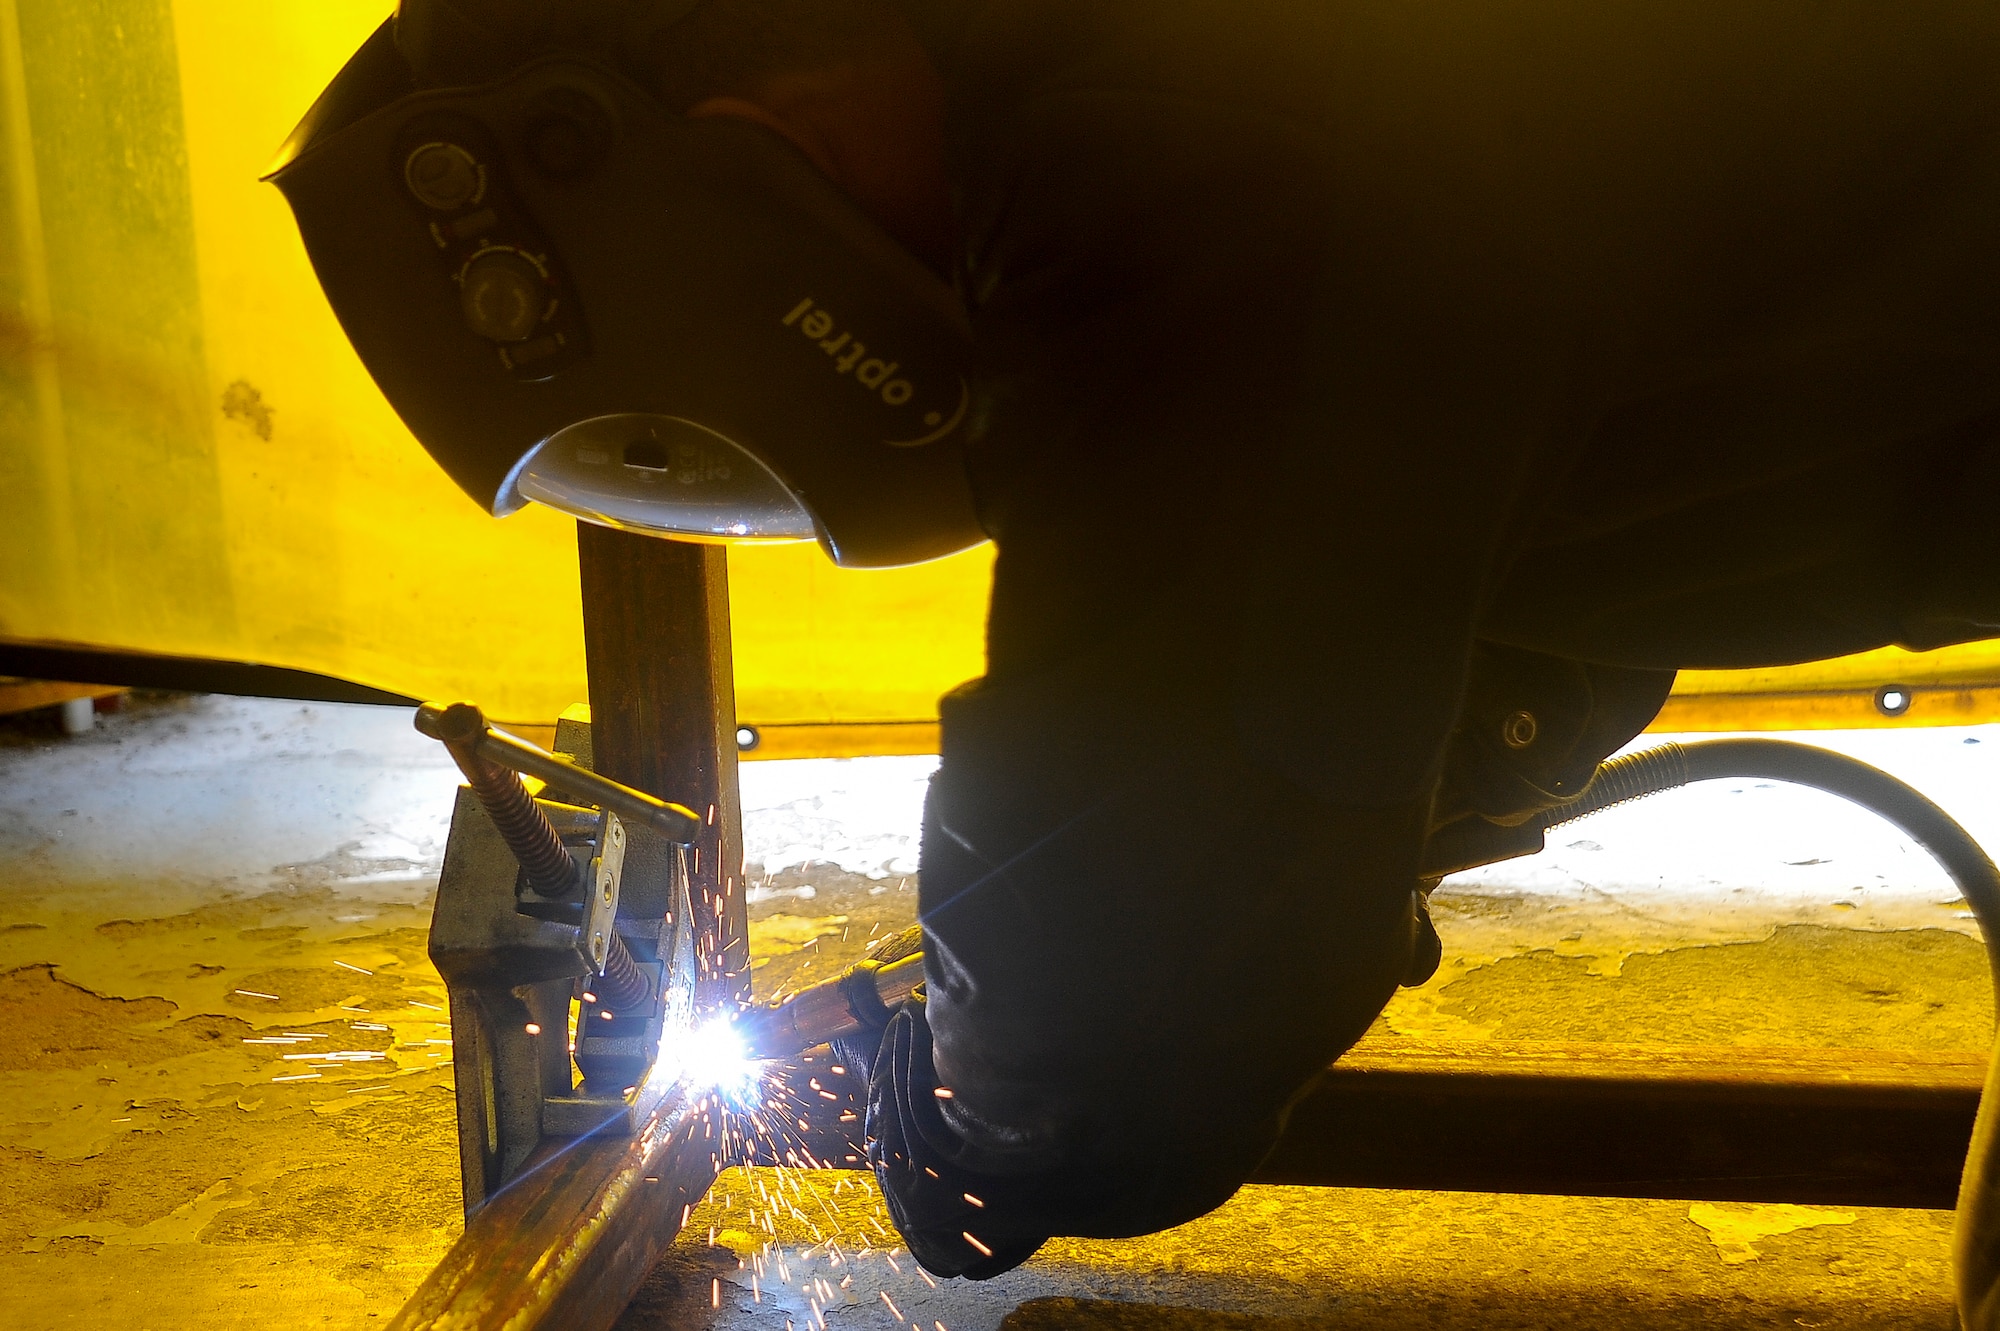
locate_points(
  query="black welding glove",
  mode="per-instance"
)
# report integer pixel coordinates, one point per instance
(956, 1222)
(1426, 948)
(856, 1053)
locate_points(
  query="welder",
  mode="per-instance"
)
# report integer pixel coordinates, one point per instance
(1373, 406)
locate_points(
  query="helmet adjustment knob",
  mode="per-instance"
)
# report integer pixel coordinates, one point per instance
(505, 294)
(445, 177)
(1520, 730)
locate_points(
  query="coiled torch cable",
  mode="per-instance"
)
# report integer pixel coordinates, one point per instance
(1671, 766)
(1976, 1229)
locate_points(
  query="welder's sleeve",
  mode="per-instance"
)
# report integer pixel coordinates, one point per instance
(1139, 947)
(1169, 856)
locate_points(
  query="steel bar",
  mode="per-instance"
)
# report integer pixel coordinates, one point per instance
(567, 1243)
(663, 708)
(1811, 1126)
(1830, 1127)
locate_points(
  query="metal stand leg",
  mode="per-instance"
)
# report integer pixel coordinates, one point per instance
(663, 713)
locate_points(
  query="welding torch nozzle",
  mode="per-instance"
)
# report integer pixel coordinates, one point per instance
(860, 998)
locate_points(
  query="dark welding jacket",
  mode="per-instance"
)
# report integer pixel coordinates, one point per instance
(1340, 356)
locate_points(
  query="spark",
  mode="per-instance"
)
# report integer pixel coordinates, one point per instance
(984, 1251)
(347, 966)
(942, 1092)
(713, 1057)
(252, 993)
(432, 1006)
(303, 1076)
(892, 1304)
(532, 1028)
(975, 1201)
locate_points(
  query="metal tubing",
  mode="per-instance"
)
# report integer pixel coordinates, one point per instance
(1823, 1127)
(1816, 1127)
(566, 1243)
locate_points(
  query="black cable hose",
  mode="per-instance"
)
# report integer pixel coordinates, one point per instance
(1670, 766)
(1976, 1228)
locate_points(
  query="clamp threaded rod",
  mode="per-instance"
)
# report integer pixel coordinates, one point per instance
(523, 826)
(533, 839)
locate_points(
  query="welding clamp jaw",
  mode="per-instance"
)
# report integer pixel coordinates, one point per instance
(545, 910)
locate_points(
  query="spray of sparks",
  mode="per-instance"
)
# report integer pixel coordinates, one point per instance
(841, 1266)
(768, 1115)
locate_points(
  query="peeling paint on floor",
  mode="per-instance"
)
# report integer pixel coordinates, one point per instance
(206, 900)
(1736, 1227)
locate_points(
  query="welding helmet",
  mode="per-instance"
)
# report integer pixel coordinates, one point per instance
(574, 296)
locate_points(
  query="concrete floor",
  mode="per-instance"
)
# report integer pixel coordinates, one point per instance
(207, 899)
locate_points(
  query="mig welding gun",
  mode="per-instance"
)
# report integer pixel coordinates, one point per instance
(861, 998)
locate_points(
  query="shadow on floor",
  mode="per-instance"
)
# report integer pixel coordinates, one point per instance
(1066, 1314)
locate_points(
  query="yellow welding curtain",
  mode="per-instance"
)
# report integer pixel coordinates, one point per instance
(196, 464)
(192, 462)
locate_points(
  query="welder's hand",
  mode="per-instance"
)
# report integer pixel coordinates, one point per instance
(856, 1052)
(957, 1223)
(1426, 948)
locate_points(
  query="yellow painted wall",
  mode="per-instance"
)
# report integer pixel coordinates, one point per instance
(193, 462)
